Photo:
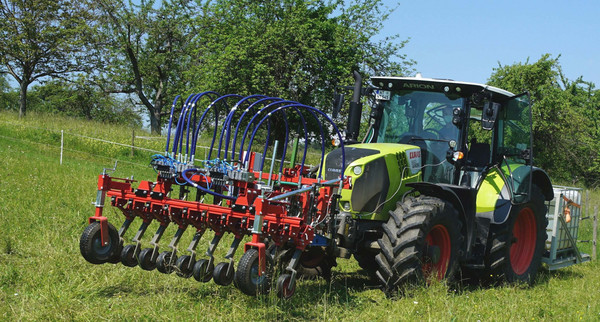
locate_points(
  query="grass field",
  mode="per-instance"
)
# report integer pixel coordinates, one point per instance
(44, 208)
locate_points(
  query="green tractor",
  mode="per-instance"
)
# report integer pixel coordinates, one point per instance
(443, 184)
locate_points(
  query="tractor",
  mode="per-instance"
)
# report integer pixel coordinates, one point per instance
(442, 186)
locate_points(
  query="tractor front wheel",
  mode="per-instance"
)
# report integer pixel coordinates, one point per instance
(516, 247)
(420, 241)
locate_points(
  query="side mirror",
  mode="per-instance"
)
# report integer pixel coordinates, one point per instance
(489, 115)
(338, 102)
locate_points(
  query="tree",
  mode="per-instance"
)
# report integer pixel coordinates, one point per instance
(42, 38)
(147, 52)
(299, 50)
(79, 98)
(565, 117)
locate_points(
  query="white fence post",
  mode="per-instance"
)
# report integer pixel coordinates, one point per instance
(62, 140)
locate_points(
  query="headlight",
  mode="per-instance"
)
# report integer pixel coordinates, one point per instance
(346, 206)
(357, 170)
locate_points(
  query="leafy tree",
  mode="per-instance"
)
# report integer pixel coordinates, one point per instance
(42, 38)
(80, 99)
(299, 50)
(146, 52)
(565, 117)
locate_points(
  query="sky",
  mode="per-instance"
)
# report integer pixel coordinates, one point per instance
(465, 40)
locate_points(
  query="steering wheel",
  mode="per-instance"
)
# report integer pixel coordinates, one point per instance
(434, 132)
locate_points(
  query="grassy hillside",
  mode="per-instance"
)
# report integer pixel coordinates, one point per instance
(44, 208)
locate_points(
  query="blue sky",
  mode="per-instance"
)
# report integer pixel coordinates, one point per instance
(464, 40)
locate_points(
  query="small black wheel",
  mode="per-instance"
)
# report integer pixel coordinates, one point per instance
(247, 278)
(203, 270)
(145, 259)
(165, 263)
(116, 258)
(90, 244)
(220, 275)
(184, 266)
(285, 287)
(129, 255)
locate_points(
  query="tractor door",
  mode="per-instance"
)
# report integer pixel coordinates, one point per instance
(513, 146)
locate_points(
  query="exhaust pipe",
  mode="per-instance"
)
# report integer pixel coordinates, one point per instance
(355, 111)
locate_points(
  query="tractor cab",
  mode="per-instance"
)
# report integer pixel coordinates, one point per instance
(464, 130)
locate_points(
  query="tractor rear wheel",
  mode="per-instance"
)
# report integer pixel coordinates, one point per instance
(516, 247)
(90, 244)
(420, 241)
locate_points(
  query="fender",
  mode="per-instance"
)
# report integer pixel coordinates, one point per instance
(462, 198)
(542, 180)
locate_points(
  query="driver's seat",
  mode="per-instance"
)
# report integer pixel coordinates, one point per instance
(478, 157)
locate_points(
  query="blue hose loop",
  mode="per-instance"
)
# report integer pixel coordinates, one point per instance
(249, 108)
(170, 123)
(189, 117)
(251, 123)
(177, 129)
(195, 185)
(227, 123)
(199, 125)
(303, 124)
(308, 108)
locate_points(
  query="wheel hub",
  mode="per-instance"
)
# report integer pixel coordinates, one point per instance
(523, 241)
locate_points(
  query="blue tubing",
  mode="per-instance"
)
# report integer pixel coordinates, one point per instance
(305, 107)
(269, 113)
(264, 109)
(177, 129)
(195, 135)
(227, 123)
(198, 97)
(170, 122)
(195, 185)
(240, 122)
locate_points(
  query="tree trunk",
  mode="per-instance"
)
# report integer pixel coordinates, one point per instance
(23, 99)
(155, 124)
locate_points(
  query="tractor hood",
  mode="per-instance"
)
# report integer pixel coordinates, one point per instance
(377, 172)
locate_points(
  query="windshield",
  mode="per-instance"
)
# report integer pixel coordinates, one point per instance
(423, 119)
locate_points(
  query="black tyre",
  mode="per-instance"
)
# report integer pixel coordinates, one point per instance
(165, 263)
(116, 258)
(285, 287)
(90, 244)
(220, 275)
(145, 259)
(184, 266)
(516, 247)
(366, 260)
(314, 263)
(421, 240)
(247, 278)
(203, 271)
(129, 255)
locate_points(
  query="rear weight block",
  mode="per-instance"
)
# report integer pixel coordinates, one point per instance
(90, 244)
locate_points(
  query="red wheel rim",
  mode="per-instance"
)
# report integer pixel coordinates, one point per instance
(525, 233)
(438, 236)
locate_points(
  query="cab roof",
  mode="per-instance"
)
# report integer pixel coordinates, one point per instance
(437, 85)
